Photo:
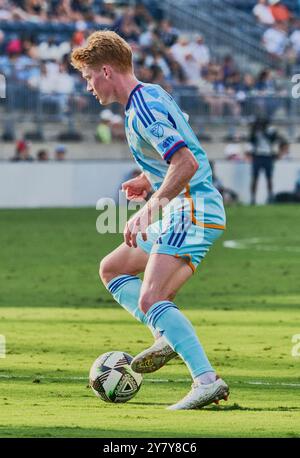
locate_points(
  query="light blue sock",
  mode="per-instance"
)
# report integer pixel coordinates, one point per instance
(125, 289)
(165, 317)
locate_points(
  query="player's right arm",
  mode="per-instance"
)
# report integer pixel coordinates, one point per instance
(137, 188)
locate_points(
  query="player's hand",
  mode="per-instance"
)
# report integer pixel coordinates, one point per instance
(137, 188)
(137, 223)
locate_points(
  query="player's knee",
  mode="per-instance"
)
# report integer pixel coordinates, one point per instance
(145, 302)
(171, 296)
(147, 299)
(105, 270)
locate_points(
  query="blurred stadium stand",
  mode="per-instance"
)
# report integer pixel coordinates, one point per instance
(35, 45)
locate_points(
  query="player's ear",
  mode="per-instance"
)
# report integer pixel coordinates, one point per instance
(107, 71)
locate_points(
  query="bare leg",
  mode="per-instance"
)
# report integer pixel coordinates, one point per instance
(123, 260)
(132, 261)
(164, 276)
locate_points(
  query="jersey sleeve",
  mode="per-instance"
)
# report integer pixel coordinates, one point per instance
(157, 127)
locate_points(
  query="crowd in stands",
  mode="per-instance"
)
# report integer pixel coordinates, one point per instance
(57, 10)
(162, 55)
(282, 35)
(23, 153)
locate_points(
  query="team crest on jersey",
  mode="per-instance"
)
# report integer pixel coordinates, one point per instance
(157, 130)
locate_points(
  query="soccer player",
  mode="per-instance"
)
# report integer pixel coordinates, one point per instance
(176, 168)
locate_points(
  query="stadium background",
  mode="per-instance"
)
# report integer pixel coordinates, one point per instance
(59, 148)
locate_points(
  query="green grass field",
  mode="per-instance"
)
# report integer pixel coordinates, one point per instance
(57, 318)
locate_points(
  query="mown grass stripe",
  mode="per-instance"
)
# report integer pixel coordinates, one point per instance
(149, 380)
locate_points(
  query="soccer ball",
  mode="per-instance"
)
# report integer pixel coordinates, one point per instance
(112, 379)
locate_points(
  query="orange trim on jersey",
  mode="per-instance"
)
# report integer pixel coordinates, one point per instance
(188, 196)
(188, 261)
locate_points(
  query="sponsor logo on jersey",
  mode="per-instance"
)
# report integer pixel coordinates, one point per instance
(168, 142)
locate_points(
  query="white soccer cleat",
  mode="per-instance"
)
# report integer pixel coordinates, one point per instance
(153, 358)
(202, 395)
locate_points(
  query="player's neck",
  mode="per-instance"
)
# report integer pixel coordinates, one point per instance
(126, 84)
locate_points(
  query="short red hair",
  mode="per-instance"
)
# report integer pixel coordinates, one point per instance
(104, 47)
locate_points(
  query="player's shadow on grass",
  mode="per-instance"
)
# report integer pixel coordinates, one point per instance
(252, 409)
(151, 403)
(221, 408)
(229, 408)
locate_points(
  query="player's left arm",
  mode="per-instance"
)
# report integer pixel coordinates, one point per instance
(182, 168)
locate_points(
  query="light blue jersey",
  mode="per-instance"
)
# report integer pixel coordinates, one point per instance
(156, 128)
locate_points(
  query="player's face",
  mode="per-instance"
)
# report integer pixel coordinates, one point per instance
(99, 83)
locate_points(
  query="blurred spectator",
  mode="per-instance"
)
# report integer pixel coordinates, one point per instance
(167, 33)
(200, 51)
(22, 152)
(148, 38)
(127, 27)
(107, 12)
(156, 58)
(191, 69)
(14, 46)
(2, 40)
(177, 75)
(157, 77)
(180, 49)
(214, 93)
(117, 128)
(268, 95)
(234, 152)
(228, 67)
(104, 131)
(42, 81)
(263, 138)
(275, 40)
(265, 83)
(280, 12)
(42, 155)
(5, 10)
(30, 49)
(60, 152)
(244, 92)
(36, 9)
(295, 39)
(55, 86)
(263, 13)
(141, 16)
(49, 50)
(283, 150)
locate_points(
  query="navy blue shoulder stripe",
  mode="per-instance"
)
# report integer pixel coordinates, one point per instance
(136, 88)
(142, 109)
(139, 93)
(139, 115)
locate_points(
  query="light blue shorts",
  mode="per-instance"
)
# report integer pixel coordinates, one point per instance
(178, 236)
